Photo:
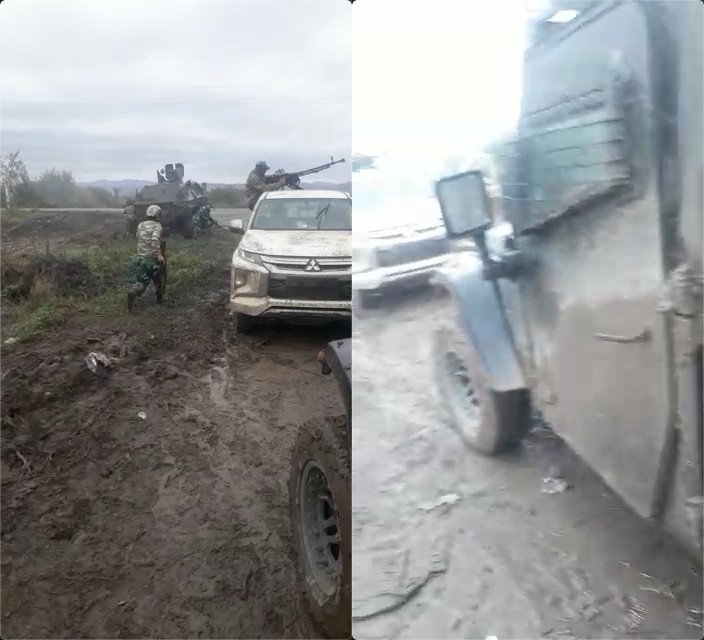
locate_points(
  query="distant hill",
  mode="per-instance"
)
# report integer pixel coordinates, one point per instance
(127, 187)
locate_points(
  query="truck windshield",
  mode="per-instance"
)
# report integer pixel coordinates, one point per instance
(323, 214)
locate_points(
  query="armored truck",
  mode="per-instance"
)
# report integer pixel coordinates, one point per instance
(583, 298)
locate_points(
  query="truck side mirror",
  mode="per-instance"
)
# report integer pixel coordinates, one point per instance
(464, 204)
(236, 226)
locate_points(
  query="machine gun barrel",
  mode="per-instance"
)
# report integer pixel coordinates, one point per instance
(293, 178)
(322, 167)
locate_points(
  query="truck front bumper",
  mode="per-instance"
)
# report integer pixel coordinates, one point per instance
(405, 275)
(250, 295)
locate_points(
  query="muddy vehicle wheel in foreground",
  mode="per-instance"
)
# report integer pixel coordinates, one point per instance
(320, 498)
(487, 421)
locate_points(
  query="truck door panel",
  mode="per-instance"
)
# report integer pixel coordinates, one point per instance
(591, 214)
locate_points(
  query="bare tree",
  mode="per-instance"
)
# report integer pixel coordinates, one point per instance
(12, 173)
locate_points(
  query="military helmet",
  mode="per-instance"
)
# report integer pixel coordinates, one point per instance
(263, 165)
(153, 211)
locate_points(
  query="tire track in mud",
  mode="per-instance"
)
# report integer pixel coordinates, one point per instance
(244, 420)
(517, 563)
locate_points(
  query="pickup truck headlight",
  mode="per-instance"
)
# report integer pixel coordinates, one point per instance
(241, 278)
(254, 258)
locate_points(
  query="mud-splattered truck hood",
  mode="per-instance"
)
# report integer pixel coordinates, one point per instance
(298, 243)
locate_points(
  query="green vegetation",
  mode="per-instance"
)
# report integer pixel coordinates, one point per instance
(53, 188)
(81, 285)
(58, 188)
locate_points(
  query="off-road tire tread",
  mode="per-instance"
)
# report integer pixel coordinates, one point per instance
(507, 414)
(325, 440)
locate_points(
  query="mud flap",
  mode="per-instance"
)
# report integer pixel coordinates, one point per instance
(338, 356)
(484, 322)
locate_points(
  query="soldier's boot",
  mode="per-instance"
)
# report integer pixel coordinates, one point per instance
(159, 296)
(131, 297)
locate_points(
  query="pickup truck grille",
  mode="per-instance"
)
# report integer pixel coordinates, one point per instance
(328, 289)
(412, 252)
(290, 263)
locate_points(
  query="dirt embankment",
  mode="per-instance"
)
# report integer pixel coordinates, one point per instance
(148, 499)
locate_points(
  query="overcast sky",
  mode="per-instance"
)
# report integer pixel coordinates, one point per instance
(116, 89)
(434, 81)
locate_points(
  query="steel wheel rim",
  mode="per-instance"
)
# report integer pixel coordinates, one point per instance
(462, 392)
(319, 528)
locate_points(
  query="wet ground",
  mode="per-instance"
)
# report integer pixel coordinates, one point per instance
(174, 524)
(447, 544)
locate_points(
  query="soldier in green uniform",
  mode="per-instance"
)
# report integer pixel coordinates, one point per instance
(145, 267)
(257, 184)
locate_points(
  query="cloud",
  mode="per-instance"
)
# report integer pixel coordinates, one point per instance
(115, 90)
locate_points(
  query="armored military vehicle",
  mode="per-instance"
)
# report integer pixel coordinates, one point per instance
(586, 302)
(321, 505)
(179, 201)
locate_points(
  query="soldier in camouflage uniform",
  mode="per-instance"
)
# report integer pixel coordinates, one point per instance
(146, 266)
(257, 184)
(130, 217)
(202, 219)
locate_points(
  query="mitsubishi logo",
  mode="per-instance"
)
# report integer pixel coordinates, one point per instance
(312, 265)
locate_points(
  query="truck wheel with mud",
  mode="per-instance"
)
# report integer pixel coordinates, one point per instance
(319, 491)
(487, 421)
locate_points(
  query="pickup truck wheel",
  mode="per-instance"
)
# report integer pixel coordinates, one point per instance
(487, 421)
(242, 323)
(320, 503)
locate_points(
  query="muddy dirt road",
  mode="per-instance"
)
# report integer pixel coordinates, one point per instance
(447, 544)
(171, 526)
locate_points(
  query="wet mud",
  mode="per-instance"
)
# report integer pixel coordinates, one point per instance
(449, 544)
(170, 525)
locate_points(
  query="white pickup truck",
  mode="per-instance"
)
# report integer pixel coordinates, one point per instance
(294, 260)
(399, 239)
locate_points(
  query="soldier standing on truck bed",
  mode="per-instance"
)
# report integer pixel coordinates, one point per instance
(146, 266)
(257, 184)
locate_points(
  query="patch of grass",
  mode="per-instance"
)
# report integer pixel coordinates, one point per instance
(106, 263)
(34, 316)
(46, 307)
(16, 215)
(44, 317)
(188, 269)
